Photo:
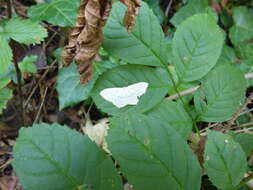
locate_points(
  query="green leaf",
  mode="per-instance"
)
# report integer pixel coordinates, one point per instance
(145, 45)
(220, 94)
(152, 155)
(10, 74)
(245, 51)
(5, 55)
(175, 115)
(246, 141)
(70, 91)
(155, 6)
(192, 8)
(225, 161)
(54, 157)
(102, 66)
(3, 82)
(24, 31)
(126, 75)
(243, 27)
(58, 12)
(5, 96)
(57, 54)
(227, 56)
(27, 64)
(197, 45)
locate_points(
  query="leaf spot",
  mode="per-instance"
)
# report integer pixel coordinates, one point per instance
(146, 141)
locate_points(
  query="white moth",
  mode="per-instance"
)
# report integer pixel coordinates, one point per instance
(129, 95)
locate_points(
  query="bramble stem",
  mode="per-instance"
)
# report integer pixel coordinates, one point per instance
(18, 72)
(20, 93)
(9, 9)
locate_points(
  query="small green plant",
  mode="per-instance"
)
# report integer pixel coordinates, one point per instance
(23, 31)
(150, 141)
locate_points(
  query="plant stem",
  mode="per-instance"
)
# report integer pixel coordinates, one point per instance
(243, 182)
(20, 93)
(237, 114)
(181, 99)
(192, 90)
(9, 9)
(18, 72)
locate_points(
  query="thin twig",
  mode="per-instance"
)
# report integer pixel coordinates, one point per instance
(237, 114)
(245, 125)
(243, 182)
(41, 105)
(192, 90)
(6, 164)
(183, 93)
(37, 85)
(168, 8)
(247, 111)
(210, 126)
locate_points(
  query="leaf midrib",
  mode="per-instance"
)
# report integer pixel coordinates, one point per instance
(70, 178)
(54, 5)
(157, 158)
(140, 40)
(215, 99)
(224, 162)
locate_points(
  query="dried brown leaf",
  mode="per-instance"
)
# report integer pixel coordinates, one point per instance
(131, 14)
(97, 132)
(87, 36)
(69, 50)
(128, 187)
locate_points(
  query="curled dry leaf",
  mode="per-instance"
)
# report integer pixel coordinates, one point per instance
(131, 14)
(98, 132)
(87, 35)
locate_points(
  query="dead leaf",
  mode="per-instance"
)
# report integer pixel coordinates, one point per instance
(69, 51)
(5, 130)
(128, 187)
(9, 182)
(131, 14)
(198, 146)
(97, 132)
(87, 36)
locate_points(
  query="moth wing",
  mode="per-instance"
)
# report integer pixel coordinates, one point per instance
(109, 94)
(130, 100)
(138, 89)
(123, 97)
(114, 95)
(120, 97)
